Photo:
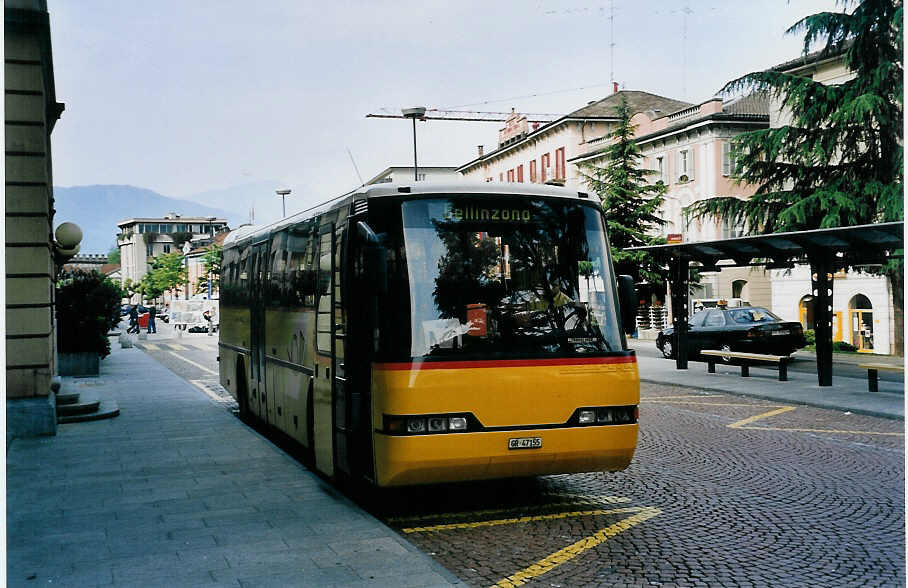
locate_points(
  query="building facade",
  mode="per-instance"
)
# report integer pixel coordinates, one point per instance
(140, 239)
(541, 153)
(689, 152)
(31, 112)
(423, 174)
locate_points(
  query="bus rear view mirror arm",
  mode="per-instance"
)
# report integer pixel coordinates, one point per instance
(627, 300)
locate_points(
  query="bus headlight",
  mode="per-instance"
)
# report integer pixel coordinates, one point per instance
(427, 424)
(457, 423)
(605, 415)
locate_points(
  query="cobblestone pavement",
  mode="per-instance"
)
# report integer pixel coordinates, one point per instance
(723, 491)
(715, 497)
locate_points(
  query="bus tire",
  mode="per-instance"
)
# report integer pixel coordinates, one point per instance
(242, 392)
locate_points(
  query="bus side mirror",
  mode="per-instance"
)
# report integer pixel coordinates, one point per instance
(375, 256)
(627, 302)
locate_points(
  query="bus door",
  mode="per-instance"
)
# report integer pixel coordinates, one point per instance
(340, 405)
(258, 402)
(325, 328)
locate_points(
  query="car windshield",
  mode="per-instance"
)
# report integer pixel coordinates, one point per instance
(508, 277)
(751, 315)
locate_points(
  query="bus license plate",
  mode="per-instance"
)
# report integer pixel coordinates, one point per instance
(525, 443)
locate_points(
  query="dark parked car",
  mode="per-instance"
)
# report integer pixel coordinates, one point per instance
(745, 328)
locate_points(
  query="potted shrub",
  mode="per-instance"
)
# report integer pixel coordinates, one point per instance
(88, 307)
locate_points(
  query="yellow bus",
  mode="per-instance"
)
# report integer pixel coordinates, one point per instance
(423, 333)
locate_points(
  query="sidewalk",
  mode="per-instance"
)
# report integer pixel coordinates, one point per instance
(846, 393)
(178, 492)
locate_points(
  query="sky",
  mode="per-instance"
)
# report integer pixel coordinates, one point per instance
(185, 97)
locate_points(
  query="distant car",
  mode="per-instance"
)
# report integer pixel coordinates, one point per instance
(745, 328)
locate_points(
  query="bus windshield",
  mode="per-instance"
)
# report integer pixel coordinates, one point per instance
(508, 277)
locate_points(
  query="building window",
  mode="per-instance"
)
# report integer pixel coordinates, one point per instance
(729, 162)
(533, 171)
(520, 173)
(501, 177)
(559, 164)
(731, 230)
(149, 250)
(545, 162)
(166, 247)
(420, 177)
(510, 175)
(685, 165)
(659, 168)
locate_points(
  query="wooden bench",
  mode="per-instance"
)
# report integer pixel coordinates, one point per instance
(873, 378)
(714, 355)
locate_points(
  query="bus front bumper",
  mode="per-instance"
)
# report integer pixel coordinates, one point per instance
(428, 459)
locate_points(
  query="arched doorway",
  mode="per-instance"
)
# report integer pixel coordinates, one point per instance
(738, 289)
(805, 311)
(860, 321)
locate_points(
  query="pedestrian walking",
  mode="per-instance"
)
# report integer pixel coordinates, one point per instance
(133, 319)
(152, 311)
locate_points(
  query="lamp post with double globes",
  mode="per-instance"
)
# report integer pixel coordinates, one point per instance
(416, 112)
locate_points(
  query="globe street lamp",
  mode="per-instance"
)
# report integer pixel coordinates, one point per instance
(417, 112)
(283, 194)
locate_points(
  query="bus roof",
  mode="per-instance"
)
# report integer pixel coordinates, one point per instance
(412, 188)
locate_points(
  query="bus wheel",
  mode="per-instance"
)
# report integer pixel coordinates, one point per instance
(242, 393)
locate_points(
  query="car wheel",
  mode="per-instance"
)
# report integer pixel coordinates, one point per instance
(727, 349)
(667, 348)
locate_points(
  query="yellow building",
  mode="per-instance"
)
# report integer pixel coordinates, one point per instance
(31, 111)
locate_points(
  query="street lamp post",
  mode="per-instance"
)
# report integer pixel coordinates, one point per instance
(417, 112)
(283, 194)
(207, 270)
(186, 249)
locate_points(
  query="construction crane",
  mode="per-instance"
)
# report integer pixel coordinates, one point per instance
(468, 115)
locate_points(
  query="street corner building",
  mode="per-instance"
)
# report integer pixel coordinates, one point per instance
(31, 112)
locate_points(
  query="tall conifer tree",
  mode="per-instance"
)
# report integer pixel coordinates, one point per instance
(629, 201)
(839, 160)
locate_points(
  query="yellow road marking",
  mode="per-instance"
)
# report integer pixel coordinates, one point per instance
(575, 499)
(204, 389)
(758, 417)
(568, 553)
(151, 346)
(198, 365)
(718, 403)
(839, 431)
(177, 346)
(680, 396)
(517, 520)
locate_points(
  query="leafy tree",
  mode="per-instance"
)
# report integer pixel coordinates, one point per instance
(212, 264)
(88, 307)
(629, 201)
(113, 256)
(839, 161)
(168, 272)
(129, 288)
(149, 287)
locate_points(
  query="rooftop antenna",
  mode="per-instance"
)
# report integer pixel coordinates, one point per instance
(612, 37)
(685, 11)
(353, 161)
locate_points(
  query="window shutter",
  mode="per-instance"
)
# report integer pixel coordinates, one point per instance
(726, 158)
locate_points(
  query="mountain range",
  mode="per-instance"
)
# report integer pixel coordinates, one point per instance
(98, 209)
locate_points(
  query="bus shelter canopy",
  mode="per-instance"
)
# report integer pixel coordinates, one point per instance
(825, 250)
